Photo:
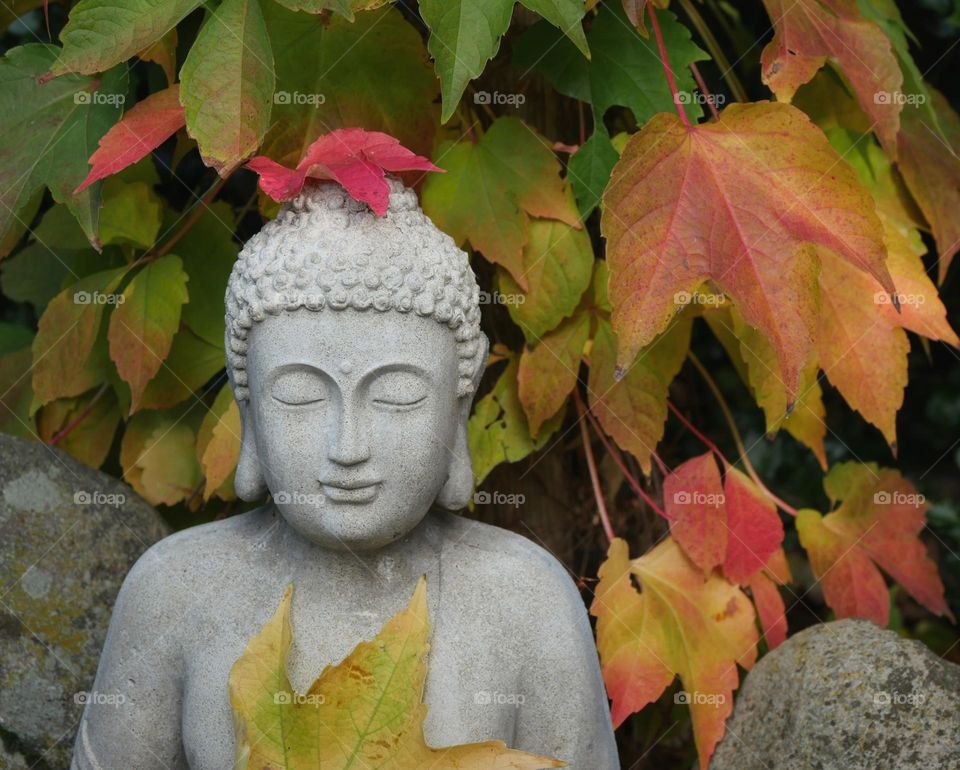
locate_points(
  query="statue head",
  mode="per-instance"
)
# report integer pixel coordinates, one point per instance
(354, 350)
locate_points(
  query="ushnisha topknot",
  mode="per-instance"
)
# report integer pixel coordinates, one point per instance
(326, 251)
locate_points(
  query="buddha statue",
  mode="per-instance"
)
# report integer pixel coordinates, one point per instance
(354, 350)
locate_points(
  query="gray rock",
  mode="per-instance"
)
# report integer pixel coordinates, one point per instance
(844, 696)
(68, 535)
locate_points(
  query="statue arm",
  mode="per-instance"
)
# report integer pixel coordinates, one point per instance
(565, 712)
(132, 715)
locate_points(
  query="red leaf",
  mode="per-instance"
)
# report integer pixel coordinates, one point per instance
(729, 524)
(767, 599)
(141, 130)
(755, 527)
(693, 501)
(355, 158)
(769, 603)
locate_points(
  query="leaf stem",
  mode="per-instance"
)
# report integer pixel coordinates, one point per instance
(592, 467)
(632, 480)
(737, 440)
(713, 47)
(63, 433)
(667, 70)
(195, 213)
(696, 432)
(702, 84)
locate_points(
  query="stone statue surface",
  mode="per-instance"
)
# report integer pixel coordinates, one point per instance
(354, 350)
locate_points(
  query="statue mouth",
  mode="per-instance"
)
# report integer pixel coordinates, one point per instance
(362, 492)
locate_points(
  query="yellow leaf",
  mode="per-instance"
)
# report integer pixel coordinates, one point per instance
(364, 712)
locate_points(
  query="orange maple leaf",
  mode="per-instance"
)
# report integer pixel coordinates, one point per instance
(744, 201)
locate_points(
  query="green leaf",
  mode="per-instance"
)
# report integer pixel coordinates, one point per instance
(544, 49)
(191, 363)
(625, 69)
(66, 335)
(633, 408)
(589, 170)
(498, 431)
(465, 35)
(218, 445)
(548, 371)
(130, 214)
(35, 274)
(49, 132)
(14, 337)
(157, 455)
(344, 7)
(208, 251)
(91, 438)
(143, 325)
(227, 82)
(557, 263)
(492, 188)
(101, 33)
(333, 74)
(565, 15)
(16, 394)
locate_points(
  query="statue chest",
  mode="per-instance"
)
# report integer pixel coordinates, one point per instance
(473, 678)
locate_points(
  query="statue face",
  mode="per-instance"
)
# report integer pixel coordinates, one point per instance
(355, 418)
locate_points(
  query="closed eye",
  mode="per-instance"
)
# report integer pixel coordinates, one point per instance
(398, 403)
(299, 401)
(298, 387)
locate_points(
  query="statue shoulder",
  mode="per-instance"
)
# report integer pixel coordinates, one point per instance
(518, 564)
(180, 563)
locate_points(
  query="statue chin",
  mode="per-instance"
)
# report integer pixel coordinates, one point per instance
(348, 527)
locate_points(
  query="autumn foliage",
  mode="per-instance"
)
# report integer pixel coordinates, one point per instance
(623, 219)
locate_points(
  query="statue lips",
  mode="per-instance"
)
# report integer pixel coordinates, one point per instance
(351, 492)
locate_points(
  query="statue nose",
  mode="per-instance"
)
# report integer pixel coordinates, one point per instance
(349, 445)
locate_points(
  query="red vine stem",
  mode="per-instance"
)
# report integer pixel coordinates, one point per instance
(702, 84)
(592, 467)
(618, 459)
(191, 220)
(665, 61)
(696, 432)
(737, 440)
(62, 434)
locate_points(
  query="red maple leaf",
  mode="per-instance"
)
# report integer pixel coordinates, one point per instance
(355, 158)
(141, 130)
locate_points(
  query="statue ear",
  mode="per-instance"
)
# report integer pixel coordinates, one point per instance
(456, 491)
(248, 483)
